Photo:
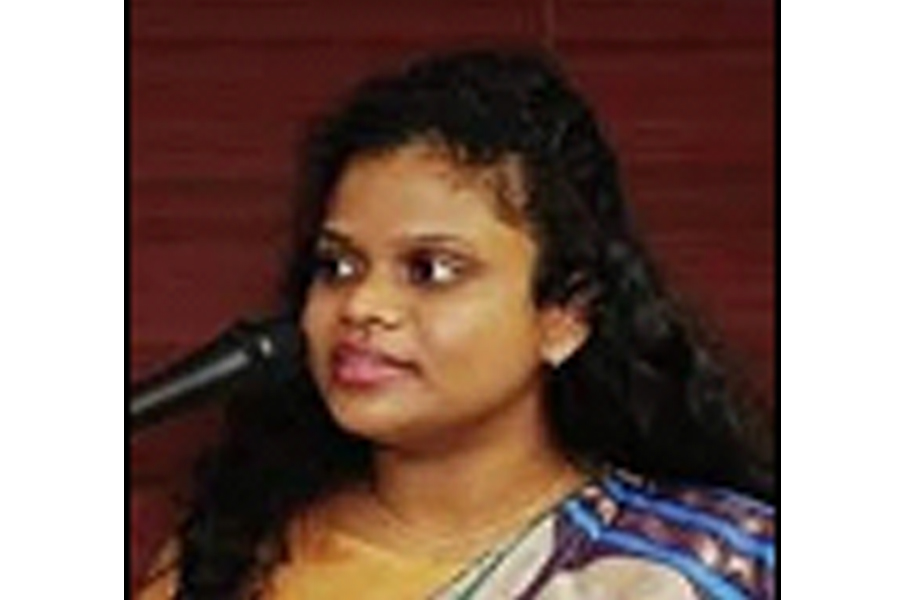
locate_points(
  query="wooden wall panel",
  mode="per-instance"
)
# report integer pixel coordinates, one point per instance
(675, 24)
(397, 22)
(221, 91)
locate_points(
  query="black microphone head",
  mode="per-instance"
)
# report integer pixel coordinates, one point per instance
(252, 354)
(272, 343)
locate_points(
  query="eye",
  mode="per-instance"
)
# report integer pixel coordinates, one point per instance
(335, 267)
(427, 269)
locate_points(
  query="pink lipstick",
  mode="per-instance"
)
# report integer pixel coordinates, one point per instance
(358, 366)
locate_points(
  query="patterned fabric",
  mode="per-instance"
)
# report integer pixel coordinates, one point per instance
(621, 537)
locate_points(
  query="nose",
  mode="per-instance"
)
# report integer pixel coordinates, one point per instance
(374, 300)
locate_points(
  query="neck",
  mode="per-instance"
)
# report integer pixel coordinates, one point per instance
(471, 487)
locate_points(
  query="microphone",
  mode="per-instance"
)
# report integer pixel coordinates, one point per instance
(250, 352)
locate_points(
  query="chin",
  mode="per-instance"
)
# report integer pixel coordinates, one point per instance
(397, 431)
(375, 419)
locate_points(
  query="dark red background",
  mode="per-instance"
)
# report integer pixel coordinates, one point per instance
(221, 89)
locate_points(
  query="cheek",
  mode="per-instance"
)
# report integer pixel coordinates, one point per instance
(480, 338)
(315, 323)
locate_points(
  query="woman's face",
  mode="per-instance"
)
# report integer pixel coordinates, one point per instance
(420, 323)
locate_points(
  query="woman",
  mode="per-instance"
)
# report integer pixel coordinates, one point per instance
(488, 361)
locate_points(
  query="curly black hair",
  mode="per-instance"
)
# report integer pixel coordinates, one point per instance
(643, 391)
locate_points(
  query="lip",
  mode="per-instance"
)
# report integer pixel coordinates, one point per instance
(360, 366)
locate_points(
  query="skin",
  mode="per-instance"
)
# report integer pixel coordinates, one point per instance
(424, 337)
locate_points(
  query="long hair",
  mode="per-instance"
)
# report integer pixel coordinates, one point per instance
(643, 391)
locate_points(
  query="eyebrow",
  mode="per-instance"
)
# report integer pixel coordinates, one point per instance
(333, 236)
(330, 235)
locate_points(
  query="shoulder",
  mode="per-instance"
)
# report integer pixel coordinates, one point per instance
(719, 540)
(160, 581)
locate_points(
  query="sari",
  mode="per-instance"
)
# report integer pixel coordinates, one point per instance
(625, 537)
(617, 537)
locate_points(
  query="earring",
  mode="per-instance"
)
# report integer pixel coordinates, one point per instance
(555, 357)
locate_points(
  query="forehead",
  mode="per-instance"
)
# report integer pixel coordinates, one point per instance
(424, 187)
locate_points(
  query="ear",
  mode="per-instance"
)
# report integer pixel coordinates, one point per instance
(564, 328)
